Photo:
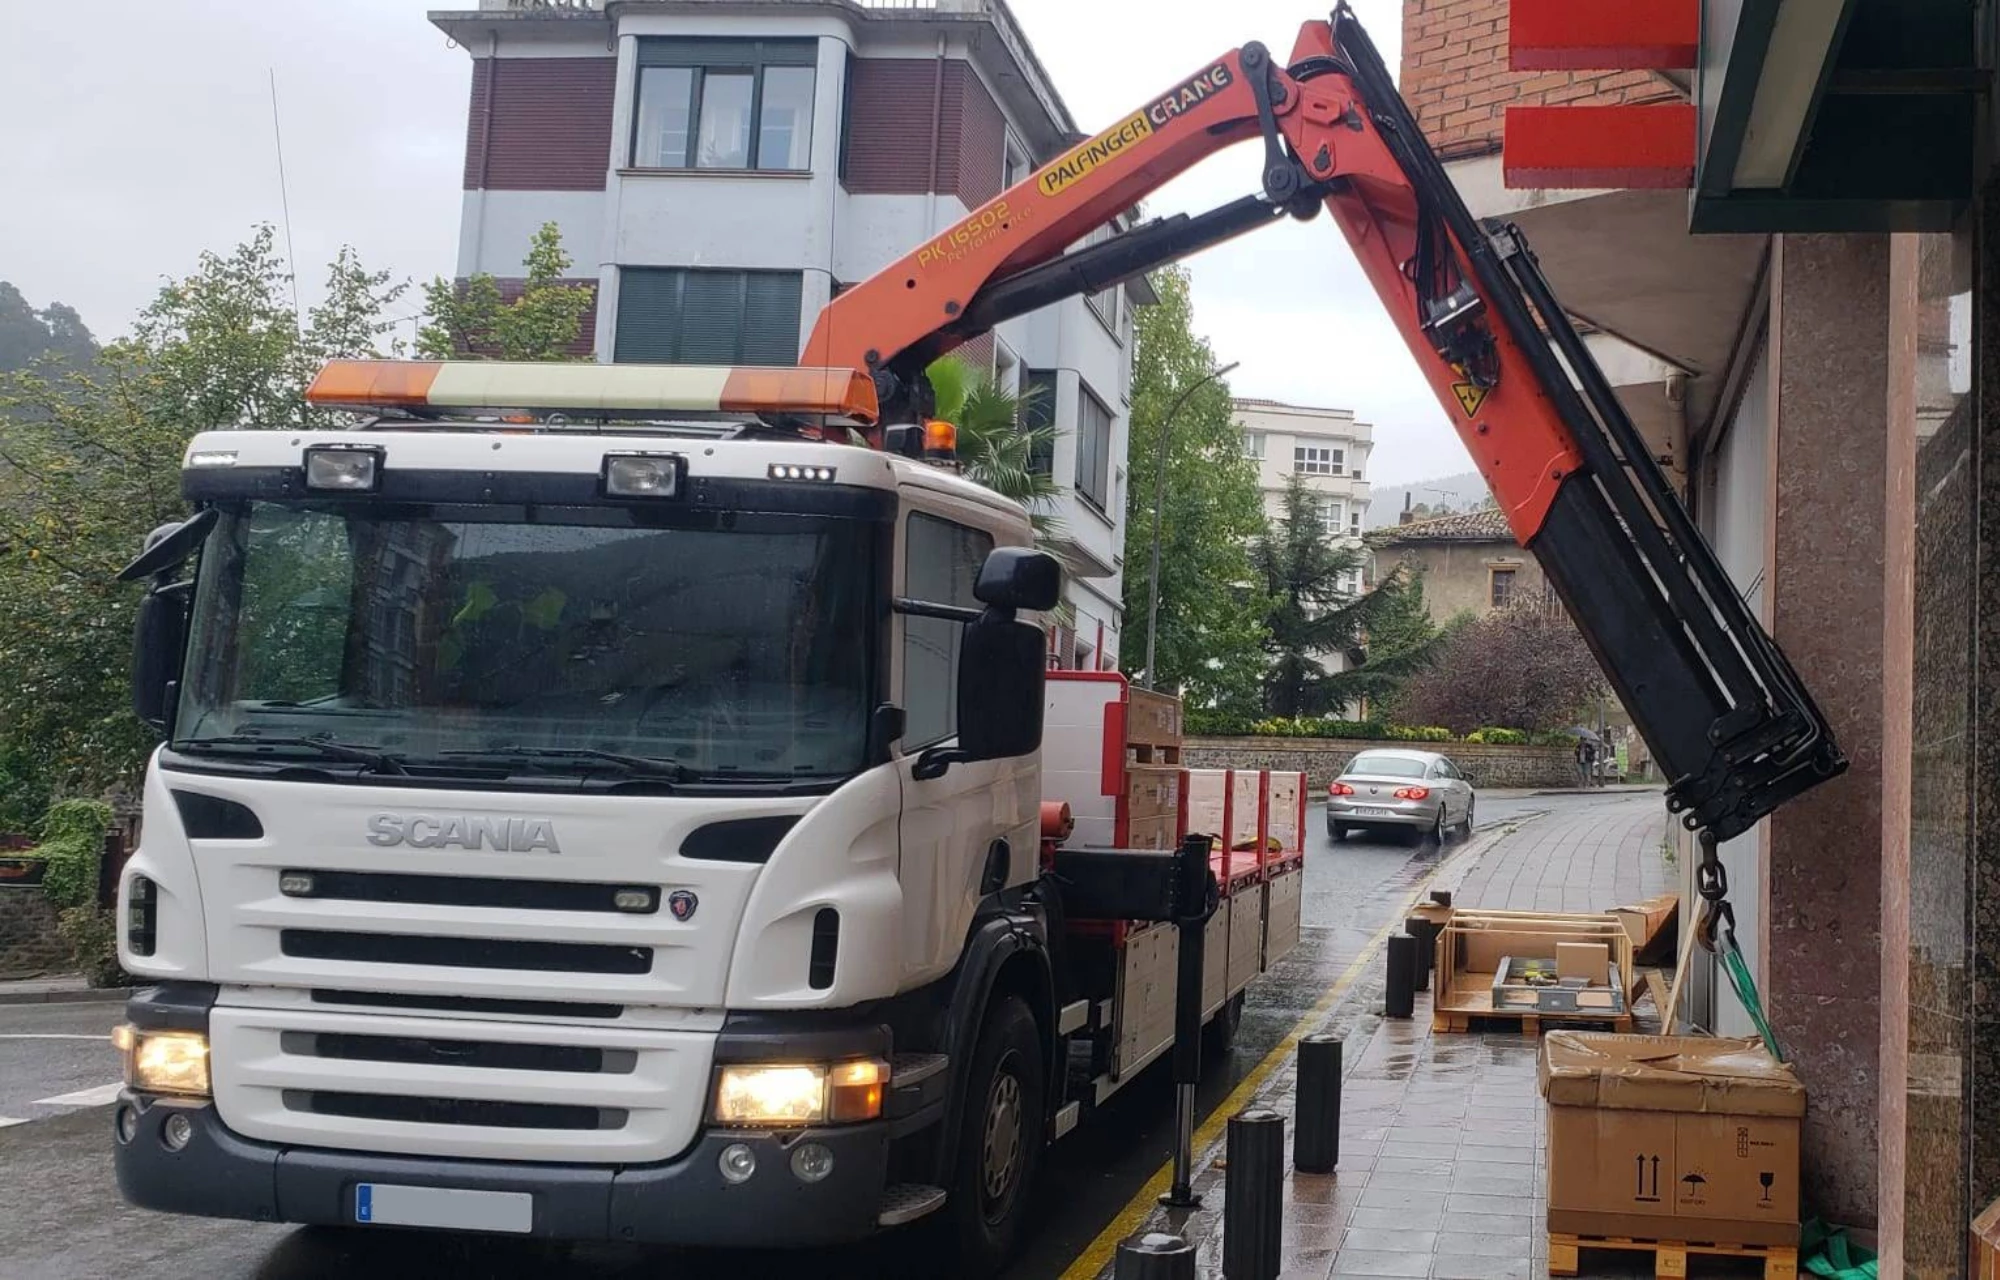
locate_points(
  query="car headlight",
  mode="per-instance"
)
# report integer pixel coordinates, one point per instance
(778, 1094)
(169, 1062)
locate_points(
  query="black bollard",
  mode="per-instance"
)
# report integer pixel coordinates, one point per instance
(1399, 998)
(1196, 894)
(1253, 1204)
(1316, 1145)
(1441, 896)
(1426, 933)
(1154, 1255)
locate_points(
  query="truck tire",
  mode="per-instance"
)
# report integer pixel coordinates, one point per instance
(1000, 1140)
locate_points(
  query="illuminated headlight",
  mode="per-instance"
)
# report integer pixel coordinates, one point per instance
(344, 470)
(792, 471)
(642, 475)
(169, 1062)
(781, 1094)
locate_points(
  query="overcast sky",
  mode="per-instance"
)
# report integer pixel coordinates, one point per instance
(135, 133)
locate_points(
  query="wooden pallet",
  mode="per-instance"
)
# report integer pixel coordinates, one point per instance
(1670, 1257)
(1528, 1024)
(1147, 753)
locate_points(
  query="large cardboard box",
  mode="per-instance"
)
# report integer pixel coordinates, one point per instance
(1671, 1137)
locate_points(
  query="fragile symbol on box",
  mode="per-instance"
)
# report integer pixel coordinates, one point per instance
(1649, 1192)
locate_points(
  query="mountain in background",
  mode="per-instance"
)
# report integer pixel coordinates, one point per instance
(27, 334)
(1445, 495)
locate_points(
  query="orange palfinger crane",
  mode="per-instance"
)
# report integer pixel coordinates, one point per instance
(1721, 708)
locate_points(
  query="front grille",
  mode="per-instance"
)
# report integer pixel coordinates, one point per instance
(467, 1004)
(473, 891)
(491, 1055)
(464, 953)
(453, 1111)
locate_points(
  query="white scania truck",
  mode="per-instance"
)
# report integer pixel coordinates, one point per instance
(621, 831)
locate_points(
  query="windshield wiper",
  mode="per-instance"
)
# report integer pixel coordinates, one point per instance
(326, 747)
(637, 766)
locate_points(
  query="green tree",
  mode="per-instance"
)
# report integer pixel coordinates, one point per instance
(1212, 609)
(90, 461)
(1524, 667)
(472, 321)
(1399, 643)
(1316, 611)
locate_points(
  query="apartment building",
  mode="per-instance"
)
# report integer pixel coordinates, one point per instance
(1326, 448)
(721, 171)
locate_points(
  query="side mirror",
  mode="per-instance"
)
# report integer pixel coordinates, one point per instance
(1000, 695)
(168, 546)
(1017, 578)
(158, 642)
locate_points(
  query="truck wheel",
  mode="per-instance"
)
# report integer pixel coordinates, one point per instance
(1220, 1033)
(999, 1141)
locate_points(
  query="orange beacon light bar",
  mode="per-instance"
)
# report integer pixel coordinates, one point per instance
(439, 385)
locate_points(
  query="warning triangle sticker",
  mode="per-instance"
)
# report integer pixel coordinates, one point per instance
(1470, 397)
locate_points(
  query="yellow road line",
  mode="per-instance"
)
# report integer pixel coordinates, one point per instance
(1099, 1252)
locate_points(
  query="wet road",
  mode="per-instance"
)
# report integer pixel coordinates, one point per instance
(65, 1219)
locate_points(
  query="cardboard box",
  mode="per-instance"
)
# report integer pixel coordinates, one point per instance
(1651, 1135)
(1590, 961)
(1652, 926)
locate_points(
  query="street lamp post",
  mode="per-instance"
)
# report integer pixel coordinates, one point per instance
(1159, 501)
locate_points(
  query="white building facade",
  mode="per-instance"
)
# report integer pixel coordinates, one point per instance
(721, 171)
(1326, 448)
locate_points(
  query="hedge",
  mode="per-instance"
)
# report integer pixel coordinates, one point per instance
(73, 844)
(1211, 724)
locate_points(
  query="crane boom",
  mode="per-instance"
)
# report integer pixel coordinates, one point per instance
(1718, 703)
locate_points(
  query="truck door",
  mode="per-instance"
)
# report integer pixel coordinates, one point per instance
(953, 826)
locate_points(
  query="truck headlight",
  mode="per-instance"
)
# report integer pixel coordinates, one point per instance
(168, 1062)
(778, 1094)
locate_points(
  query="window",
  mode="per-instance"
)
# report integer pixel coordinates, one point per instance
(1105, 304)
(725, 104)
(1354, 523)
(1332, 516)
(1038, 413)
(676, 316)
(1314, 461)
(1253, 444)
(941, 564)
(1016, 168)
(1502, 587)
(1093, 449)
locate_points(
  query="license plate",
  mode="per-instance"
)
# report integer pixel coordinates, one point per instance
(384, 1205)
(1371, 813)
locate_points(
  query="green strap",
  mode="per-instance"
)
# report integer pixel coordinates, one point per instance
(1738, 970)
(1829, 1254)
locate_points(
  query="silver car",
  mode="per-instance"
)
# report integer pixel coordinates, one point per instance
(1390, 789)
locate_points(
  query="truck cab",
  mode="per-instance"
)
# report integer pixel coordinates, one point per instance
(609, 833)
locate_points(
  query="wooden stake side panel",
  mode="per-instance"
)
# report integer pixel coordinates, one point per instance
(1205, 799)
(1286, 898)
(1285, 801)
(1246, 809)
(1146, 994)
(1670, 1257)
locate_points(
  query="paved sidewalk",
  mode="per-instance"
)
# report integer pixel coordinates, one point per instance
(61, 989)
(1442, 1167)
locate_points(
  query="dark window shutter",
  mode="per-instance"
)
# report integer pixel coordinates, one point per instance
(692, 52)
(649, 312)
(771, 302)
(677, 316)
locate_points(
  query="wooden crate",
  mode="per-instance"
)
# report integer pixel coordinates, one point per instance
(1670, 1257)
(1531, 1024)
(1152, 719)
(1472, 944)
(1150, 833)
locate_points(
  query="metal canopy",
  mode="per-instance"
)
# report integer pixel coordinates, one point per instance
(1836, 116)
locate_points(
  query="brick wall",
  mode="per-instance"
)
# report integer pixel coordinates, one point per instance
(29, 944)
(1455, 76)
(892, 103)
(1322, 759)
(540, 124)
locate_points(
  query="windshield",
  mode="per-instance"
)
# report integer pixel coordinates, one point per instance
(737, 648)
(1388, 766)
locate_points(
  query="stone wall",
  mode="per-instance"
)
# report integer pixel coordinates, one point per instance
(1321, 759)
(29, 944)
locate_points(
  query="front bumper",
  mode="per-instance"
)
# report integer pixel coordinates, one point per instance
(686, 1202)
